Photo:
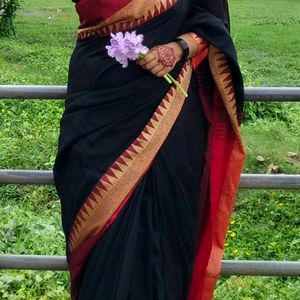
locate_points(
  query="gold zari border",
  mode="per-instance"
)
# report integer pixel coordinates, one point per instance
(131, 15)
(222, 75)
(113, 187)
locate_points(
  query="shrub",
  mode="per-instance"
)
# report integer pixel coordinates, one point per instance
(285, 112)
(8, 10)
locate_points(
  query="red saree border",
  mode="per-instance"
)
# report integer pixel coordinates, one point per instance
(77, 260)
(133, 14)
(226, 159)
(207, 265)
(114, 188)
(222, 76)
(89, 14)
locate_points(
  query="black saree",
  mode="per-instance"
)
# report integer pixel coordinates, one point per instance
(142, 172)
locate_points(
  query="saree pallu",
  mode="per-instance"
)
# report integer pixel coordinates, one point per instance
(147, 178)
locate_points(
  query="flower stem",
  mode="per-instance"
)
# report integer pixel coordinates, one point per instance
(178, 86)
(170, 79)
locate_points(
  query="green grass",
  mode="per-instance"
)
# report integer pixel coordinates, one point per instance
(257, 288)
(265, 224)
(274, 141)
(46, 32)
(265, 35)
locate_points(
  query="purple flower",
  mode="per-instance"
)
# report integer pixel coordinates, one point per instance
(126, 47)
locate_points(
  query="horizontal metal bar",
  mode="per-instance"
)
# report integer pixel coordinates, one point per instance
(229, 267)
(271, 94)
(278, 181)
(260, 268)
(32, 92)
(38, 177)
(45, 92)
(248, 181)
(33, 262)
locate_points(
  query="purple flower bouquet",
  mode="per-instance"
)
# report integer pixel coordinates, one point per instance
(129, 46)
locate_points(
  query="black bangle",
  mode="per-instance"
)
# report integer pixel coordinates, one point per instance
(184, 46)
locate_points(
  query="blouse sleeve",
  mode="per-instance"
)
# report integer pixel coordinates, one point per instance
(207, 19)
(202, 49)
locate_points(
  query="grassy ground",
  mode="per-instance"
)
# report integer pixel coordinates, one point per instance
(265, 224)
(264, 32)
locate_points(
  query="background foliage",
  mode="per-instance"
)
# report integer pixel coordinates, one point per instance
(265, 224)
(8, 10)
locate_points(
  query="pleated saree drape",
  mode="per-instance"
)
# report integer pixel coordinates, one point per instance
(147, 177)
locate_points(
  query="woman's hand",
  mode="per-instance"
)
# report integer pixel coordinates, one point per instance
(161, 59)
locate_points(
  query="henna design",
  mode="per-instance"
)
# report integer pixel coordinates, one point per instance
(166, 55)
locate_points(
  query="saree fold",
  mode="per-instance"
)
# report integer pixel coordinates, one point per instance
(123, 128)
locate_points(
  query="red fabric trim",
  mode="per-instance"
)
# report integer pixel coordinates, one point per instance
(92, 12)
(202, 50)
(197, 60)
(219, 199)
(78, 257)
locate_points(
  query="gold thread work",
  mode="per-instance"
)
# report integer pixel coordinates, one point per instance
(124, 173)
(130, 16)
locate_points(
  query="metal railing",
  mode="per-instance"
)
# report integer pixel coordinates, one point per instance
(45, 92)
(248, 181)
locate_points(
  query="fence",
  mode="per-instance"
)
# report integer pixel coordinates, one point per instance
(248, 181)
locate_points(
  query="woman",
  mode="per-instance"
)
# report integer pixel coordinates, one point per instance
(147, 177)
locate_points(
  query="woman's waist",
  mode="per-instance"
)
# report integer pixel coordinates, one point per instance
(92, 69)
(119, 15)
